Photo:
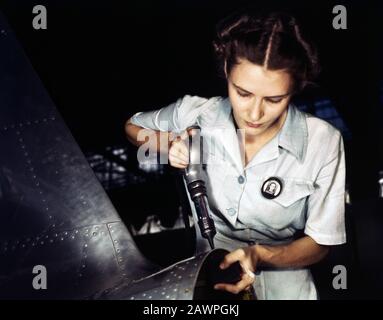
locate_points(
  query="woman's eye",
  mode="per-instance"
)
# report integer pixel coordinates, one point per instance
(273, 100)
(242, 94)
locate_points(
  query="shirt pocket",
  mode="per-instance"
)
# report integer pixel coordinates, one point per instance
(287, 210)
(293, 191)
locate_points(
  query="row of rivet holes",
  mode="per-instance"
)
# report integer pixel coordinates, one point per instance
(46, 239)
(29, 161)
(118, 250)
(28, 123)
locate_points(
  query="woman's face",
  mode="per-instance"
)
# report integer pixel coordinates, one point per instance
(259, 97)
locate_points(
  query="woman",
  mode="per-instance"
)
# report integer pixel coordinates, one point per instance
(283, 174)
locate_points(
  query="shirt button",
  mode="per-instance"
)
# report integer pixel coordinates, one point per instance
(231, 211)
(241, 179)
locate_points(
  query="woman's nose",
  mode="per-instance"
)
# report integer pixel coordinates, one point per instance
(256, 111)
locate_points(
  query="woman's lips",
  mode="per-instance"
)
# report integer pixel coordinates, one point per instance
(253, 125)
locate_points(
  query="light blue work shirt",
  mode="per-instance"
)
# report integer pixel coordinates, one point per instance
(306, 156)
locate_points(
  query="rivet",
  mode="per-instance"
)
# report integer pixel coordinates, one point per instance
(62, 239)
(95, 234)
(131, 298)
(85, 245)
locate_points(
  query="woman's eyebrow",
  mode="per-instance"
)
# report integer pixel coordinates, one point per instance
(238, 87)
(268, 97)
(280, 96)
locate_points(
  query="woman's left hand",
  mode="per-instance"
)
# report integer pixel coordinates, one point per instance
(248, 258)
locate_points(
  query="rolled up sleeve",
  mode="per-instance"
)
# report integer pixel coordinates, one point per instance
(326, 206)
(174, 117)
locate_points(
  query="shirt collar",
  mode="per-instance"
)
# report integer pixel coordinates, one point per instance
(294, 135)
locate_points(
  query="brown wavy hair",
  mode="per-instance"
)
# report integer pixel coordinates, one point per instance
(273, 40)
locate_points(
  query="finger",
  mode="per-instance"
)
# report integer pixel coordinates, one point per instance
(178, 165)
(178, 153)
(236, 255)
(184, 135)
(177, 160)
(244, 283)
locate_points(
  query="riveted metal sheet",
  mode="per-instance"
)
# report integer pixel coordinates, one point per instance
(186, 280)
(53, 210)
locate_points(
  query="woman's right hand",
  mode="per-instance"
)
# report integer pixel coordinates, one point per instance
(179, 152)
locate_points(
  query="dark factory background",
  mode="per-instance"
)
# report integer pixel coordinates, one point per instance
(102, 61)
